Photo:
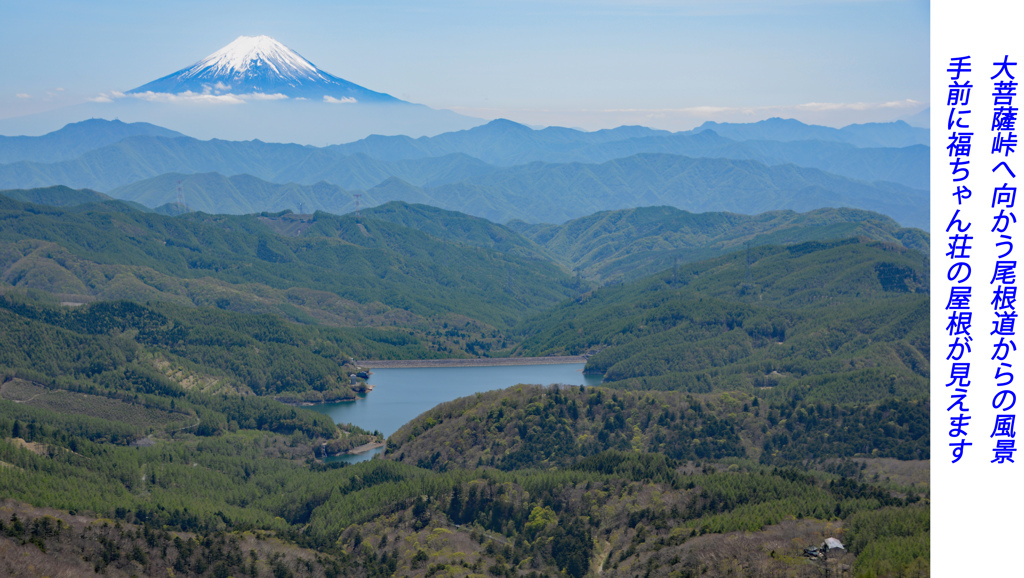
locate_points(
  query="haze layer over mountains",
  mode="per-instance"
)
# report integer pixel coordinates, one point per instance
(500, 171)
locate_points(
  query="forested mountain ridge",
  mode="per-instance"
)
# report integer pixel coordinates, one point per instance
(838, 321)
(457, 227)
(761, 449)
(359, 271)
(120, 373)
(57, 196)
(534, 427)
(338, 270)
(205, 349)
(617, 510)
(622, 245)
(617, 513)
(574, 431)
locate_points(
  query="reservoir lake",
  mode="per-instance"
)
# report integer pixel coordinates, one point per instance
(399, 395)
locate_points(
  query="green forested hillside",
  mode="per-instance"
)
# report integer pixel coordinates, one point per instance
(530, 427)
(622, 245)
(618, 511)
(458, 227)
(662, 438)
(338, 270)
(838, 321)
(211, 349)
(56, 196)
(582, 478)
(202, 372)
(418, 268)
(758, 401)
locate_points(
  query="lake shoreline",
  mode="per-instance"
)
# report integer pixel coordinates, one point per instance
(477, 362)
(363, 448)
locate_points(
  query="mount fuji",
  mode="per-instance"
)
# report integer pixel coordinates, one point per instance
(262, 67)
(255, 88)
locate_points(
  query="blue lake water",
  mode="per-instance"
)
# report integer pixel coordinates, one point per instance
(399, 395)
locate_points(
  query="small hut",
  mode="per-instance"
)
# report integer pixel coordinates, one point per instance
(832, 544)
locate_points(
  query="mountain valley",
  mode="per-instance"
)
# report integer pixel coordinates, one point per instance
(755, 298)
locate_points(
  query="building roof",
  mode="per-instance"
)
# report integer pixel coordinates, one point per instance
(832, 543)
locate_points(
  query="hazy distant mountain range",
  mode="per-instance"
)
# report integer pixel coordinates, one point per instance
(875, 134)
(500, 171)
(74, 140)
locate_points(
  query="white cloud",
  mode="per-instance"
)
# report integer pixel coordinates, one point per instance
(186, 97)
(342, 100)
(828, 106)
(195, 97)
(261, 96)
(23, 95)
(107, 96)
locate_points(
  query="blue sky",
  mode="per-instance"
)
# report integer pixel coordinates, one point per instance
(571, 63)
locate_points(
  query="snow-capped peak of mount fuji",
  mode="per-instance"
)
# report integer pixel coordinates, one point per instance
(260, 65)
(248, 53)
